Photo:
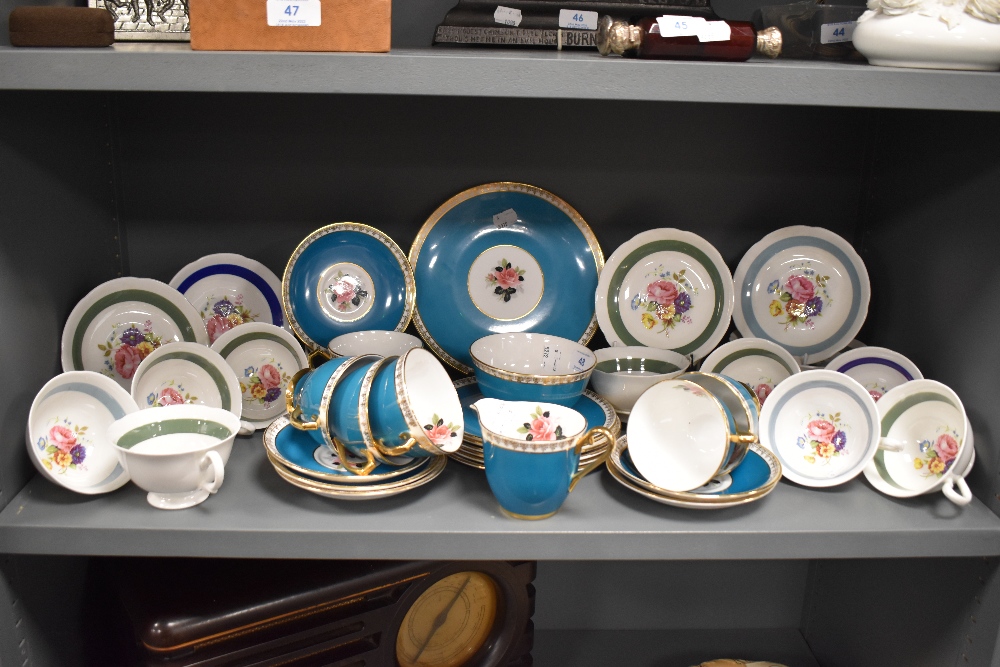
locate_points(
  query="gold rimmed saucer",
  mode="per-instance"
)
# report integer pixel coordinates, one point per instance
(753, 479)
(365, 492)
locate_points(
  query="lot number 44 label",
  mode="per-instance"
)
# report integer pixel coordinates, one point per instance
(293, 13)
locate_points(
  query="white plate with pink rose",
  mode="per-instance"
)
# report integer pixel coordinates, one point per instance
(264, 358)
(804, 288)
(757, 363)
(229, 290)
(121, 322)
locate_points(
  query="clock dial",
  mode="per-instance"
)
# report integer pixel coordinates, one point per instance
(449, 622)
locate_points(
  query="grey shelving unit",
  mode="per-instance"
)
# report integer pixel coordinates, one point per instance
(138, 159)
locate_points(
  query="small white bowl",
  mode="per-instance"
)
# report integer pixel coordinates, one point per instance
(179, 455)
(623, 373)
(822, 425)
(68, 431)
(382, 343)
(186, 373)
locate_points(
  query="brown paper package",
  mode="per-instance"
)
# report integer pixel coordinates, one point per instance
(241, 25)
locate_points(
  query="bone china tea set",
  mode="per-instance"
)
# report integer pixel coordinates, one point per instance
(159, 379)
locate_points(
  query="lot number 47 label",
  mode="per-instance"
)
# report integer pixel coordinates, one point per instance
(293, 13)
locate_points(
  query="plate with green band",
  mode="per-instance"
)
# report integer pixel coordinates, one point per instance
(120, 322)
(666, 288)
(756, 362)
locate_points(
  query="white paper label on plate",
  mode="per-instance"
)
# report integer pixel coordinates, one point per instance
(574, 19)
(507, 16)
(834, 33)
(715, 31)
(293, 13)
(680, 26)
(504, 218)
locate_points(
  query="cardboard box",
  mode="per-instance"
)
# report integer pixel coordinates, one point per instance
(242, 25)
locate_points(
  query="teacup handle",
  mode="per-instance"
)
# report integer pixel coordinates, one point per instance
(590, 438)
(743, 438)
(395, 451)
(963, 496)
(214, 461)
(361, 470)
(294, 412)
(890, 445)
(318, 352)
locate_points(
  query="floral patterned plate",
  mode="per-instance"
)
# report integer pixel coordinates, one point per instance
(500, 258)
(804, 288)
(346, 277)
(822, 425)
(878, 369)
(120, 322)
(67, 431)
(229, 290)
(758, 363)
(666, 288)
(264, 358)
(186, 373)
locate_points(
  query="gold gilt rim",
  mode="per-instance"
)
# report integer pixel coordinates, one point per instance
(486, 188)
(530, 378)
(403, 400)
(371, 492)
(323, 418)
(614, 464)
(364, 421)
(404, 264)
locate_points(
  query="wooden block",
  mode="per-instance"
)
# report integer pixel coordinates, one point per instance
(241, 25)
(61, 26)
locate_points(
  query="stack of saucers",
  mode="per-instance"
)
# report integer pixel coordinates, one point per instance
(315, 468)
(755, 477)
(595, 410)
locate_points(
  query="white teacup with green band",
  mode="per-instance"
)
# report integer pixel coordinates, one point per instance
(623, 372)
(925, 443)
(177, 455)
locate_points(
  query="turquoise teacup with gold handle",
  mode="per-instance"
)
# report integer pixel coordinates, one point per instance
(532, 451)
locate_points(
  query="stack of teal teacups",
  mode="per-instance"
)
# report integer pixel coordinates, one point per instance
(378, 408)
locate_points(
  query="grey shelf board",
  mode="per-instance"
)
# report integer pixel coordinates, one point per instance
(257, 514)
(668, 648)
(495, 73)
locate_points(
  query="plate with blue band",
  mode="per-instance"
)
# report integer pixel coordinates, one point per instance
(666, 288)
(804, 288)
(343, 278)
(501, 258)
(120, 322)
(229, 290)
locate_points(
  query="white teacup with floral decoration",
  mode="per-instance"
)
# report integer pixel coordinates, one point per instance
(926, 445)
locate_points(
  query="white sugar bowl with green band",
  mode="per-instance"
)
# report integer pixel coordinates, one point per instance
(179, 455)
(623, 373)
(532, 367)
(925, 443)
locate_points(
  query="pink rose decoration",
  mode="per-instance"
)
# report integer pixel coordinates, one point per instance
(946, 447)
(875, 394)
(662, 292)
(344, 291)
(171, 396)
(127, 360)
(62, 437)
(763, 390)
(543, 429)
(439, 435)
(269, 376)
(217, 326)
(821, 430)
(507, 278)
(800, 288)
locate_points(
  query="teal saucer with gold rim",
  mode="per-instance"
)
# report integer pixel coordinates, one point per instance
(503, 258)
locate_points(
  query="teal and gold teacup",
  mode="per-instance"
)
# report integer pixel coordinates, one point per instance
(304, 393)
(532, 367)
(413, 408)
(340, 422)
(739, 406)
(532, 451)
